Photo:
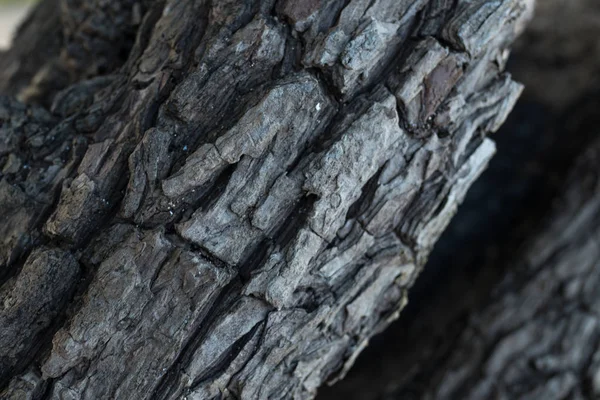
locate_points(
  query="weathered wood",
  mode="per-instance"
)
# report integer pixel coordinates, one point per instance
(503, 210)
(248, 198)
(65, 41)
(500, 213)
(537, 337)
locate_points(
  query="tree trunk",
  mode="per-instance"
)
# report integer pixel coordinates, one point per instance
(228, 199)
(538, 337)
(513, 203)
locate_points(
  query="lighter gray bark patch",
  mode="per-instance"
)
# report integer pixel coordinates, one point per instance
(249, 214)
(538, 335)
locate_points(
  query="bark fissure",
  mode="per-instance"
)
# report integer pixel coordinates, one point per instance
(254, 211)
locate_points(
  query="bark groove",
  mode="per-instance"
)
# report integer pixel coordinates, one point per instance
(538, 335)
(507, 208)
(247, 196)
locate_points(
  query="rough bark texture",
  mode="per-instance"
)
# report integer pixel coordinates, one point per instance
(234, 201)
(65, 41)
(538, 337)
(503, 210)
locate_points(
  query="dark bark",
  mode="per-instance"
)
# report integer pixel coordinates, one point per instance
(538, 335)
(66, 41)
(236, 206)
(504, 209)
(510, 205)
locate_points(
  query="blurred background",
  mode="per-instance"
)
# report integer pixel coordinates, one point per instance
(11, 13)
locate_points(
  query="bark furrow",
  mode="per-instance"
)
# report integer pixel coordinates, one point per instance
(250, 195)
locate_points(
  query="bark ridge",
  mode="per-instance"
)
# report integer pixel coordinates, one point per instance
(243, 201)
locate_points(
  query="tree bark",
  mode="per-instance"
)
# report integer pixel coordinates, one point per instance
(228, 199)
(538, 336)
(508, 206)
(410, 359)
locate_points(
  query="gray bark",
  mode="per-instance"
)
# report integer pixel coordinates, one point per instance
(236, 206)
(512, 204)
(537, 337)
(502, 211)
